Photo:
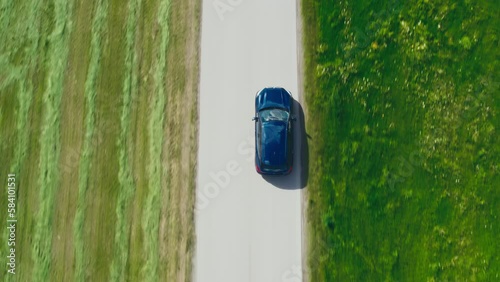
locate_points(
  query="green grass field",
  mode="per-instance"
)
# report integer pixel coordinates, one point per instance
(91, 98)
(403, 109)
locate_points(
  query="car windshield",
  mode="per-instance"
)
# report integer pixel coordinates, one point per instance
(273, 114)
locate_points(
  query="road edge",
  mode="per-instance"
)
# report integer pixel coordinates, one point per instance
(194, 254)
(301, 90)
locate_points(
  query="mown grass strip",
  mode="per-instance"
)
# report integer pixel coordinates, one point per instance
(25, 95)
(12, 74)
(8, 72)
(49, 141)
(5, 16)
(127, 186)
(152, 209)
(98, 30)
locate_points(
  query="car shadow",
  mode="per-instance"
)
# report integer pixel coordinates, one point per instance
(300, 173)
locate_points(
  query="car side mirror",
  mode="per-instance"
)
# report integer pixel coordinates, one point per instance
(255, 119)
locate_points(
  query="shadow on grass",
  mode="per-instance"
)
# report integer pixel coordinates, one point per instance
(300, 174)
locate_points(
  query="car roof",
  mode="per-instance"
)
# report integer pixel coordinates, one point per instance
(274, 143)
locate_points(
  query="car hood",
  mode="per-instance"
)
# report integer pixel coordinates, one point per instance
(274, 144)
(273, 98)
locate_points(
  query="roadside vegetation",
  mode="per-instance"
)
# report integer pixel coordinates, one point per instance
(98, 120)
(403, 110)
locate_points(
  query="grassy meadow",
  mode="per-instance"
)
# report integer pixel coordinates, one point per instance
(403, 109)
(94, 97)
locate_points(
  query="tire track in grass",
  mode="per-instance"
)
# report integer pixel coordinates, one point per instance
(49, 141)
(151, 216)
(98, 29)
(127, 186)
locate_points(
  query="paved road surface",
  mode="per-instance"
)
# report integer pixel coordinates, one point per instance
(248, 228)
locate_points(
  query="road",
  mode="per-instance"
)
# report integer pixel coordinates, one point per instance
(248, 228)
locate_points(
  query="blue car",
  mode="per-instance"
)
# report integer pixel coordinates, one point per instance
(273, 131)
